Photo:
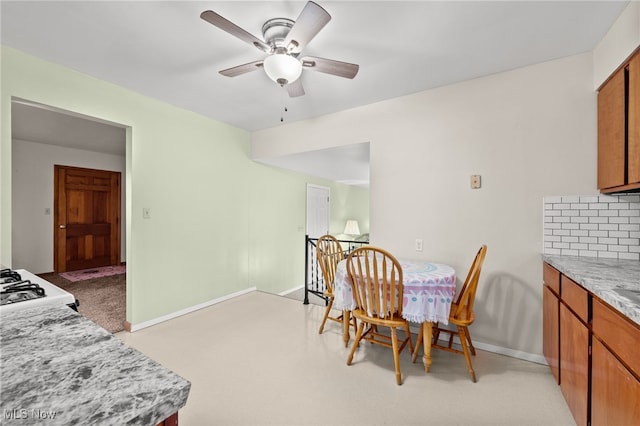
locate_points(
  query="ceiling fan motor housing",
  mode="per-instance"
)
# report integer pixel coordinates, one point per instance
(275, 31)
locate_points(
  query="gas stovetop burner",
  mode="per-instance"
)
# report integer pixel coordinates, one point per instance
(15, 289)
(9, 276)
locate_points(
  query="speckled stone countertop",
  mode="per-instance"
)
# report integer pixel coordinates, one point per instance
(604, 278)
(59, 368)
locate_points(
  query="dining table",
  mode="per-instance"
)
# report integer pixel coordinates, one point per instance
(428, 292)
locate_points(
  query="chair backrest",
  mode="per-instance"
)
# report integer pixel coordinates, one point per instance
(329, 253)
(467, 295)
(376, 278)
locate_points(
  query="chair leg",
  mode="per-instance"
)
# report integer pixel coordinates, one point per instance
(417, 348)
(465, 348)
(408, 331)
(396, 355)
(471, 348)
(356, 342)
(326, 315)
(436, 332)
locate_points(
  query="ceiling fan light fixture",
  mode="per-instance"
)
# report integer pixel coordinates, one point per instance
(282, 68)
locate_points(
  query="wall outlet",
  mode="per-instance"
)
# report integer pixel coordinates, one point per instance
(418, 244)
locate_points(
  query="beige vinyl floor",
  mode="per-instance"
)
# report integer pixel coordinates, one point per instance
(258, 360)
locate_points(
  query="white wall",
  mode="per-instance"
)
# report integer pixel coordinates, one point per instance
(530, 133)
(620, 41)
(32, 182)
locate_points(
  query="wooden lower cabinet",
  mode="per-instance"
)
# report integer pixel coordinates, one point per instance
(593, 351)
(551, 331)
(615, 392)
(615, 372)
(574, 364)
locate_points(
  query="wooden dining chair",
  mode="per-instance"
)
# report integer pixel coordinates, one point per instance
(376, 277)
(329, 254)
(461, 315)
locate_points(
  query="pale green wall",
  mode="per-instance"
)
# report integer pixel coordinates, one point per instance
(220, 223)
(277, 224)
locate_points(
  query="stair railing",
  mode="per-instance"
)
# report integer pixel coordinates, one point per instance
(313, 279)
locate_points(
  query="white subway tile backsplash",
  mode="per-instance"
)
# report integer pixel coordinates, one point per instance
(606, 226)
(598, 233)
(570, 198)
(608, 255)
(598, 206)
(629, 256)
(589, 199)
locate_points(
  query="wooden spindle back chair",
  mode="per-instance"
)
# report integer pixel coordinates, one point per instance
(329, 253)
(376, 278)
(461, 315)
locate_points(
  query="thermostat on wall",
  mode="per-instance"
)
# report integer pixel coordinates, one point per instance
(475, 181)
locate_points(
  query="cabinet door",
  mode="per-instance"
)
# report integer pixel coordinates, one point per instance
(551, 331)
(611, 132)
(574, 364)
(633, 160)
(615, 392)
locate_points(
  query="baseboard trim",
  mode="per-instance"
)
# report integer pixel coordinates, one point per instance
(527, 356)
(136, 327)
(500, 350)
(291, 290)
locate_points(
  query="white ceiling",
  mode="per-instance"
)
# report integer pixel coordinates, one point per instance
(165, 51)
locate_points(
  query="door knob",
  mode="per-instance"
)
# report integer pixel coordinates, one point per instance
(63, 226)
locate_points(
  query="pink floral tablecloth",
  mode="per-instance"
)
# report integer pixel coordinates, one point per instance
(429, 289)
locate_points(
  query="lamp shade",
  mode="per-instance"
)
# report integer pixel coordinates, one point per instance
(282, 68)
(351, 228)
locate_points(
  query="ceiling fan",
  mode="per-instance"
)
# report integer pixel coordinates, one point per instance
(284, 40)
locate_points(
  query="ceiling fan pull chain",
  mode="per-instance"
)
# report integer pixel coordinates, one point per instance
(284, 105)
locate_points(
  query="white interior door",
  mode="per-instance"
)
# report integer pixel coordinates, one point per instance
(318, 212)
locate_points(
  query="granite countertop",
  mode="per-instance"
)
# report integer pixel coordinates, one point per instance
(59, 368)
(616, 282)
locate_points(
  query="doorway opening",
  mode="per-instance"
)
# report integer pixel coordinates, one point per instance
(44, 136)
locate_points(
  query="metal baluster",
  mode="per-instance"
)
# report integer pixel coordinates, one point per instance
(306, 270)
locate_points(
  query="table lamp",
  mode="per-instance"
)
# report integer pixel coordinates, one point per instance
(351, 228)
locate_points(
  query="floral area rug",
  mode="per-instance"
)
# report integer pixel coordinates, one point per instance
(89, 274)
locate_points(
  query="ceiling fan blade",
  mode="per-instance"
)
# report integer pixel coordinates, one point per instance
(329, 66)
(311, 20)
(295, 89)
(228, 26)
(242, 69)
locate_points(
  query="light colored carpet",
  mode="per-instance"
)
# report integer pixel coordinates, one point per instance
(258, 360)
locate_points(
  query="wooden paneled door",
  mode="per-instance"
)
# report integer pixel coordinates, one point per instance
(86, 218)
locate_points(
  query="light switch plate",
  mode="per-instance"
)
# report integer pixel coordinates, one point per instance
(475, 181)
(146, 213)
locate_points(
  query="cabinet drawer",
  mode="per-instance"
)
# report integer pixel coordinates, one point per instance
(551, 277)
(575, 297)
(617, 332)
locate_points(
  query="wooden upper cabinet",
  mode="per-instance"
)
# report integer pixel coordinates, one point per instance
(611, 132)
(619, 129)
(633, 159)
